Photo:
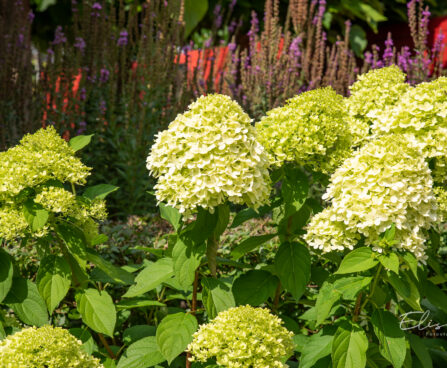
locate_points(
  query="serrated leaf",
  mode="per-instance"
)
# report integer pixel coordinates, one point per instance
(326, 298)
(349, 347)
(316, 347)
(26, 302)
(150, 277)
(249, 244)
(143, 353)
(390, 261)
(292, 264)
(79, 142)
(171, 214)
(216, 296)
(6, 274)
(358, 260)
(35, 215)
(174, 333)
(186, 259)
(53, 280)
(391, 337)
(116, 274)
(97, 310)
(254, 287)
(99, 191)
(349, 287)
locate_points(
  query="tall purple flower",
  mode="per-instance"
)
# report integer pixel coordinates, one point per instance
(388, 52)
(31, 16)
(80, 44)
(404, 59)
(96, 9)
(104, 75)
(59, 36)
(122, 39)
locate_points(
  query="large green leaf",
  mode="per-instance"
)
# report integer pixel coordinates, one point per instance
(349, 347)
(150, 277)
(186, 259)
(194, 11)
(223, 218)
(326, 299)
(216, 296)
(80, 141)
(97, 310)
(26, 302)
(143, 353)
(138, 303)
(421, 351)
(6, 274)
(174, 333)
(99, 191)
(244, 215)
(84, 335)
(116, 274)
(201, 229)
(171, 214)
(435, 295)
(75, 242)
(391, 337)
(390, 261)
(292, 264)
(249, 244)
(360, 259)
(317, 347)
(294, 190)
(35, 215)
(349, 287)
(137, 332)
(53, 280)
(254, 287)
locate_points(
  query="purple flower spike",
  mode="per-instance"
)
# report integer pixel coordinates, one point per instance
(80, 44)
(122, 40)
(104, 75)
(59, 36)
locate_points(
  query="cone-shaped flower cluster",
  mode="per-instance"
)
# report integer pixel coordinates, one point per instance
(51, 347)
(243, 337)
(209, 155)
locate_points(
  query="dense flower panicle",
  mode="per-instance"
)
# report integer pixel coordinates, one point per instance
(243, 337)
(421, 112)
(328, 235)
(47, 346)
(209, 155)
(12, 222)
(387, 181)
(55, 199)
(373, 92)
(39, 157)
(311, 130)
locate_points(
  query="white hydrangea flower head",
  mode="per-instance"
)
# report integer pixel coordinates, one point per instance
(311, 129)
(373, 92)
(209, 155)
(243, 337)
(387, 181)
(422, 113)
(47, 346)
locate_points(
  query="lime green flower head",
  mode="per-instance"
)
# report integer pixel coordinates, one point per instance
(209, 155)
(373, 92)
(12, 222)
(310, 130)
(243, 337)
(39, 157)
(421, 113)
(50, 347)
(386, 182)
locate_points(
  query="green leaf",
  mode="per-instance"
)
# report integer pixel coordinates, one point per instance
(117, 274)
(26, 302)
(349, 287)
(201, 229)
(357, 40)
(254, 287)
(216, 296)
(97, 310)
(317, 347)
(99, 191)
(142, 354)
(360, 259)
(35, 215)
(53, 280)
(390, 262)
(326, 298)
(194, 11)
(292, 264)
(349, 347)
(79, 142)
(137, 332)
(138, 303)
(244, 215)
(6, 274)
(83, 334)
(186, 259)
(249, 244)
(421, 351)
(372, 13)
(44, 4)
(150, 277)
(75, 242)
(294, 190)
(406, 288)
(412, 262)
(435, 295)
(174, 333)
(171, 214)
(391, 337)
(223, 218)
